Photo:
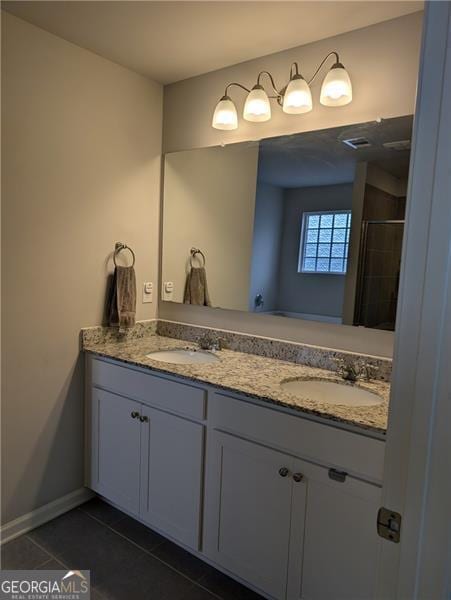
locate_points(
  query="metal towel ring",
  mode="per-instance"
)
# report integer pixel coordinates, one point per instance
(118, 248)
(195, 251)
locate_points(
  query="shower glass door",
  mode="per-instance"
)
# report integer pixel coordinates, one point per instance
(378, 281)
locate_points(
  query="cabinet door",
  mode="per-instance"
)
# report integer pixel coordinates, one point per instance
(248, 504)
(115, 449)
(172, 473)
(334, 555)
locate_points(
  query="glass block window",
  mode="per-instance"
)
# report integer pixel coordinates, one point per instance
(325, 242)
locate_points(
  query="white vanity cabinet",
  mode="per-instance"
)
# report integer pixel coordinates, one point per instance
(339, 547)
(269, 511)
(171, 475)
(283, 503)
(292, 528)
(116, 448)
(248, 511)
(146, 460)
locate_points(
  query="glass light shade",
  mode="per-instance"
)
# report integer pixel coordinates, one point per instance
(257, 107)
(336, 89)
(225, 115)
(297, 98)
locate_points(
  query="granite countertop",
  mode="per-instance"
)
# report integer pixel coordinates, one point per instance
(251, 375)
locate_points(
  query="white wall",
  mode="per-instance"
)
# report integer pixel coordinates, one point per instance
(310, 293)
(266, 244)
(81, 161)
(209, 200)
(383, 63)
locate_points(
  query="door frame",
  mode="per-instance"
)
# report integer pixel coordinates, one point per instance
(418, 449)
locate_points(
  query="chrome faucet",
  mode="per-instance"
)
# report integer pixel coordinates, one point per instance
(353, 370)
(210, 341)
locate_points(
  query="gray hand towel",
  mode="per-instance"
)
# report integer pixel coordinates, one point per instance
(196, 289)
(123, 298)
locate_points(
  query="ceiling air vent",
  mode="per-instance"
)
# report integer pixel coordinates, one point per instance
(398, 145)
(357, 143)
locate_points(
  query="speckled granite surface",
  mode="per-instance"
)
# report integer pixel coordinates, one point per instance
(248, 374)
(303, 354)
(101, 335)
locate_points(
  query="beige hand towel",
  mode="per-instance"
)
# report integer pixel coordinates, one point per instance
(123, 298)
(196, 289)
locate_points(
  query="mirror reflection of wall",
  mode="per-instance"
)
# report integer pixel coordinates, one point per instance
(307, 226)
(209, 199)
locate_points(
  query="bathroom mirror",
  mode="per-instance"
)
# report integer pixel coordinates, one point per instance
(306, 226)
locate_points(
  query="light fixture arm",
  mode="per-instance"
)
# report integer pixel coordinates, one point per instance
(237, 85)
(273, 85)
(337, 61)
(296, 70)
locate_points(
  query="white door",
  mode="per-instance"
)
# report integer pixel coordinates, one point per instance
(172, 474)
(418, 449)
(339, 555)
(115, 448)
(247, 508)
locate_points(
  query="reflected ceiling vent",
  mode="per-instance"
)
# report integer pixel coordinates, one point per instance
(357, 143)
(398, 145)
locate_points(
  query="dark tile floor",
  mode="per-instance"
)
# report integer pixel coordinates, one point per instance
(126, 559)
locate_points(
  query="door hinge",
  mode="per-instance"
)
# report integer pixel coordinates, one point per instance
(389, 525)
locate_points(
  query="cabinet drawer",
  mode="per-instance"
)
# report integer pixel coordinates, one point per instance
(150, 389)
(356, 454)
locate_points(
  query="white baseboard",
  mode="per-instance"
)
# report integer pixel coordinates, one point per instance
(45, 513)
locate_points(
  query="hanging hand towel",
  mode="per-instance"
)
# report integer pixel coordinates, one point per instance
(123, 298)
(196, 289)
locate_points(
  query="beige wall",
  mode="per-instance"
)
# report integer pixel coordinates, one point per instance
(81, 169)
(381, 179)
(209, 201)
(383, 63)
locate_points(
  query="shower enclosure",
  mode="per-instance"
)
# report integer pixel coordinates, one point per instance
(378, 275)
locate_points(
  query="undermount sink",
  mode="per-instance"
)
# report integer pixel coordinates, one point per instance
(184, 356)
(330, 392)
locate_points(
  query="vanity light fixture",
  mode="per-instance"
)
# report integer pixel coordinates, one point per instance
(225, 115)
(295, 98)
(257, 107)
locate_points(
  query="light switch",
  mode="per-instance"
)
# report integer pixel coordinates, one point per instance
(147, 292)
(168, 290)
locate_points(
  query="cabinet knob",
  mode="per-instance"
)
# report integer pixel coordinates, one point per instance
(283, 471)
(144, 419)
(298, 477)
(134, 414)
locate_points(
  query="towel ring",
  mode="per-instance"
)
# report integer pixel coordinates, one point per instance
(195, 251)
(118, 248)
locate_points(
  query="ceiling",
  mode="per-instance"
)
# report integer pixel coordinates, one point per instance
(170, 41)
(320, 157)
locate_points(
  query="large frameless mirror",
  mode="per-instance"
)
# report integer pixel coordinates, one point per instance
(307, 226)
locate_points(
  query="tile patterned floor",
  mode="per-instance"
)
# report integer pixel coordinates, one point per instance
(127, 560)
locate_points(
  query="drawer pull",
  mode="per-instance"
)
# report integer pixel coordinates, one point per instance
(134, 414)
(337, 475)
(298, 477)
(283, 471)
